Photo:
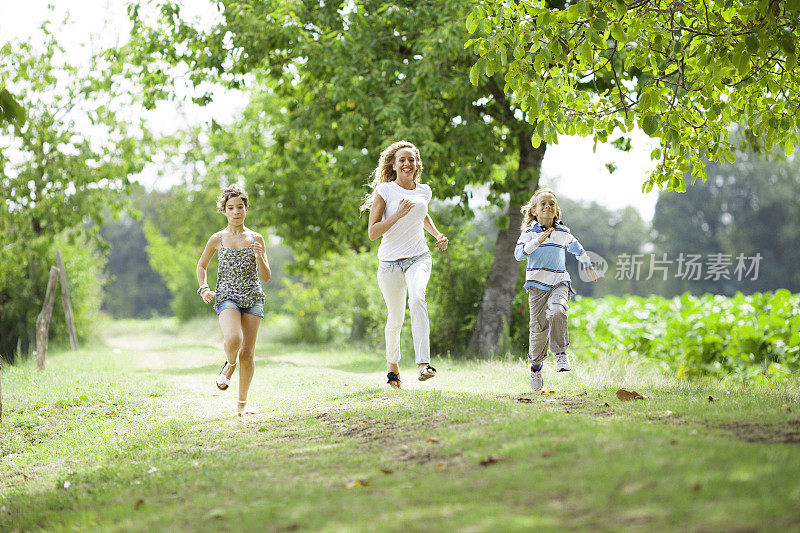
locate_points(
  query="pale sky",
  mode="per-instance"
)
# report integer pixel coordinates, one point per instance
(570, 167)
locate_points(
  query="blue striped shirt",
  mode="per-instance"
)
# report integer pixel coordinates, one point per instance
(547, 262)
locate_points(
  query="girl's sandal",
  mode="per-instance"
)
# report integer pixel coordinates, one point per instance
(426, 372)
(243, 410)
(393, 379)
(222, 381)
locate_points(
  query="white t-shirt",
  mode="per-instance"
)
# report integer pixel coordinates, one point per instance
(406, 238)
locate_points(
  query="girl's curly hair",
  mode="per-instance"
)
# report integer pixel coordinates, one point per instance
(231, 191)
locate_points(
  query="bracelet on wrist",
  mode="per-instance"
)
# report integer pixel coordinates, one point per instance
(202, 289)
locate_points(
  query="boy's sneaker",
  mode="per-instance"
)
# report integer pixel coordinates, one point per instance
(537, 382)
(562, 362)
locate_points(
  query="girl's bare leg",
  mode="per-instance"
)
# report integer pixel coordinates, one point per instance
(231, 323)
(249, 325)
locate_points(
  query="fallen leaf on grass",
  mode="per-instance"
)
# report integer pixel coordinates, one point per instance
(432, 440)
(441, 466)
(387, 470)
(626, 395)
(138, 504)
(216, 513)
(492, 459)
(110, 413)
(357, 483)
(696, 487)
(525, 400)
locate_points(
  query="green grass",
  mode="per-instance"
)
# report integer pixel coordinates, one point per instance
(134, 436)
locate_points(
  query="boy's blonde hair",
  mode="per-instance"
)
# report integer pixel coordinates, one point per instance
(384, 171)
(529, 209)
(231, 191)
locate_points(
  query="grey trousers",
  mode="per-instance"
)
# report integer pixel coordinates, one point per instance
(548, 322)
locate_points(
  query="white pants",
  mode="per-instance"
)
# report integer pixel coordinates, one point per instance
(394, 278)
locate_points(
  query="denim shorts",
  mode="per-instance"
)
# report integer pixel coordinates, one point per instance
(257, 310)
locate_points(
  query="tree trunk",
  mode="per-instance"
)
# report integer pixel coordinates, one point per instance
(495, 309)
(73, 335)
(359, 328)
(1, 390)
(43, 322)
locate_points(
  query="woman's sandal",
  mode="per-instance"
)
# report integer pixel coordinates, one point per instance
(222, 381)
(393, 379)
(244, 410)
(426, 372)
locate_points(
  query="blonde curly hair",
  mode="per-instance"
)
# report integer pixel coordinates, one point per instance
(231, 191)
(385, 172)
(529, 209)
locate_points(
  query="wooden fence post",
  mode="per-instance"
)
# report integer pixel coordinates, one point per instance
(73, 335)
(43, 322)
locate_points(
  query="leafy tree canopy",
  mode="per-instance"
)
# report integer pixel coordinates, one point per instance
(336, 85)
(64, 168)
(685, 72)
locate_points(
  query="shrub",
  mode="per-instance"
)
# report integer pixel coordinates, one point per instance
(753, 336)
(338, 297)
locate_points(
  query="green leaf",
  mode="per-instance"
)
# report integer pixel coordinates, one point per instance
(674, 138)
(474, 73)
(472, 23)
(618, 33)
(10, 110)
(789, 147)
(650, 125)
(491, 67)
(585, 50)
(472, 41)
(752, 43)
(599, 24)
(572, 14)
